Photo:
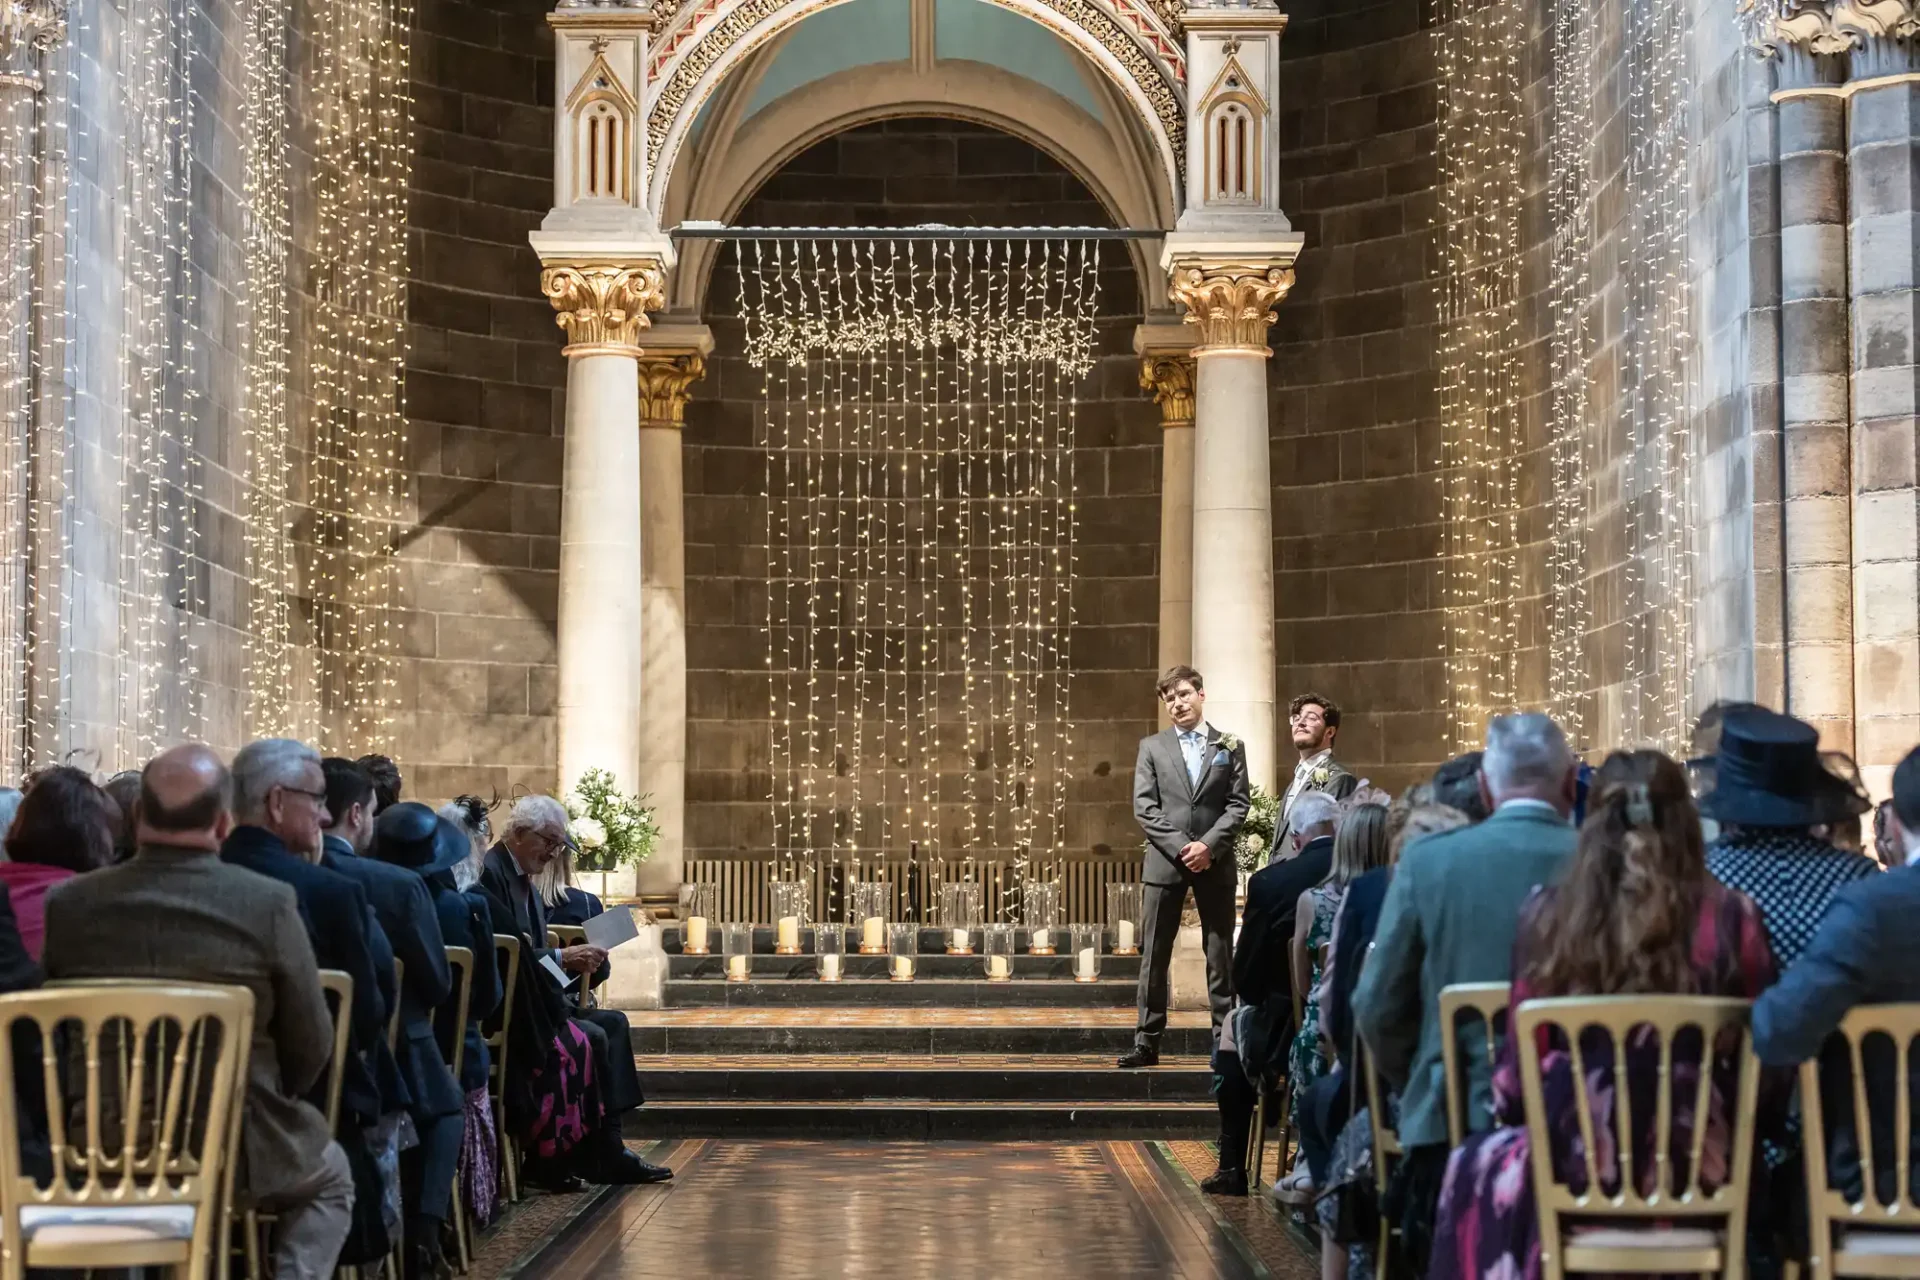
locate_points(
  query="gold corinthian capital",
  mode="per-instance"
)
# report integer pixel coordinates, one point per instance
(1169, 375)
(1231, 302)
(666, 380)
(603, 306)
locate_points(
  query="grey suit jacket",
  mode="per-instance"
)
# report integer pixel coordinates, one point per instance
(186, 915)
(1450, 917)
(1172, 811)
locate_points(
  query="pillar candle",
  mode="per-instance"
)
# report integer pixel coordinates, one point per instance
(873, 933)
(959, 939)
(1123, 934)
(737, 968)
(789, 933)
(1038, 942)
(903, 966)
(696, 933)
(830, 966)
(1083, 965)
(999, 967)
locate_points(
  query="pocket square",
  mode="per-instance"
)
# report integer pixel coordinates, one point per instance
(1220, 757)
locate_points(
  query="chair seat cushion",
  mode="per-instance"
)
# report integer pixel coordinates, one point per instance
(1867, 1240)
(60, 1224)
(1645, 1238)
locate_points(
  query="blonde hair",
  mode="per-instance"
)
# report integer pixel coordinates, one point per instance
(1414, 821)
(1360, 844)
(552, 880)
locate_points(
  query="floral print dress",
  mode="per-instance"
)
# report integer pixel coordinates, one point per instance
(1306, 1060)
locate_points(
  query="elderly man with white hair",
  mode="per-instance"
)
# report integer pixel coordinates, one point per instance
(1449, 917)
(534, 834)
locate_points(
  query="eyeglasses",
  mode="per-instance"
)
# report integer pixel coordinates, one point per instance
(318, 797)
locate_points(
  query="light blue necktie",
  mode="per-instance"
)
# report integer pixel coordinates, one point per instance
(1193, 747)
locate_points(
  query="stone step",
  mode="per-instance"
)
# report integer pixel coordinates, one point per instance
(883, 992)
(919, 1031)
(930, 941)
(768, 965)
(925, 1119)
(947, 1077)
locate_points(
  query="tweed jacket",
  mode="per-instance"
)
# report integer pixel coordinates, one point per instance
(186, 915)
(1171, 810)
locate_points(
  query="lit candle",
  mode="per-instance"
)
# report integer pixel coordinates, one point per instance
(959, 939)
(1039, 940)
(1123, 935)
(789, 933)
(903, 966)
(1083, 964)
(873, 933)
(696, 933)
(736, 968)
(830, 967)
(999, 967)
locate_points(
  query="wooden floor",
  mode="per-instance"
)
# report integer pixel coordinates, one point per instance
(803, 1209)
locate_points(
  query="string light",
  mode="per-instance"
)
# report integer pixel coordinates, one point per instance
(941, 382)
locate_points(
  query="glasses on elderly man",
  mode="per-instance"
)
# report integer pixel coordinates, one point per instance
(318, 797)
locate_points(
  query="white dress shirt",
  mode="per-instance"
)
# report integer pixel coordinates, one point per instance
(1193, 746)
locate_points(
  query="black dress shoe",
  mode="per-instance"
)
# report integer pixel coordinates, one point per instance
(629, 1170)
(1141, 1056)
(550, 1176)
(1226, 1182)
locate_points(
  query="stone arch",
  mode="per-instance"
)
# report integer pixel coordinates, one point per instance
(1135, 57)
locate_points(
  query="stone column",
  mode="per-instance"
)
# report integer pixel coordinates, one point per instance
(1883, 169)
(1815, 489)
(1169, 375)
(1230, 300)
(602, 305)
(667, 375)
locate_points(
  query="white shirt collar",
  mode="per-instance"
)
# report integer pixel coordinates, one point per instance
(1528, 802)
(1200, 729)
(1313, 761)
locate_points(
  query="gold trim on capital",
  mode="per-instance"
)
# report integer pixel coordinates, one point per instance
(1230, 302)
(1170, 377)
(666, 384)
(603, 306)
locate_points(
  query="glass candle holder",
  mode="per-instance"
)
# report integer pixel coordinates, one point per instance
(1040, 912)
(903, 951)
(867, 911)
(1124, 918)
(1086, 952)
(830, 942)
(736, 943)
(960, 916)
(696, 931)
(998, 939)
(789, 913)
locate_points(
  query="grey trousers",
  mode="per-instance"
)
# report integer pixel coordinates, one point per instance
(1161, 905)
(315, 1216)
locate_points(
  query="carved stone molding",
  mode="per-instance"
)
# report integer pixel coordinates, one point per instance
(603, 306)
(1169, 376)
(28, 30)
(666, 383)
(1829, 26)
(1230, 301)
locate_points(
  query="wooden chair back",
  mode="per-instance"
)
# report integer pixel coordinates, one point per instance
(506, 952)
(1626, 1228)
(142, 1085)
(573, 935)
(1866, 1236)
(453, 1038)
(1386, 1148)
(399, 999)
(337, 986)
(1487, 1000)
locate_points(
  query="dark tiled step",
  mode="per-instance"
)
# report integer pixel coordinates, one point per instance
(694, 993)
(824, 1037)
(767, 965)
(772, 1083)
(931, 941)
(925, 1119)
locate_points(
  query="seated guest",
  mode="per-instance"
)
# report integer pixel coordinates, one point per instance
(123, 789)
(534, 834)
(279, 802)
(479, 1174)
(386, 781)
(64, 827)
(18, 972)
(176, 911)
(411, 837)
(566, 902)
(1449, 917)
(1636, 914)
(1456, 784)
(1262, 983)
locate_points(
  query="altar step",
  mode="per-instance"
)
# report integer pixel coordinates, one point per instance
(925, 1120)
(908, 1030)
(866, 1077)
(809, 991)
(935, 965)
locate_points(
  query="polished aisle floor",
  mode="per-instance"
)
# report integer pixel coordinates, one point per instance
(772, 1209)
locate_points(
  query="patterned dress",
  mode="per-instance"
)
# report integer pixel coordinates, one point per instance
(1487, 1228)
(1306, 1060)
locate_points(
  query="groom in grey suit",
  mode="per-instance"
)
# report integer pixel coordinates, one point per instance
(1190, 796)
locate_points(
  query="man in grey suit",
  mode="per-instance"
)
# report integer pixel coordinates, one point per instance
(1449, 917)
(1190, 796)
(175, 910)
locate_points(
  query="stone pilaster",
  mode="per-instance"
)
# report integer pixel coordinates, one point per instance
(1168, 373)
(675, 360)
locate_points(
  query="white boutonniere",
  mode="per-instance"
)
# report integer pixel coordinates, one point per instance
(1230, 742)
(1320, 776)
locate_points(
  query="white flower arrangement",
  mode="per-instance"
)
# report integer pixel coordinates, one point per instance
(588, 833)
(613, 829)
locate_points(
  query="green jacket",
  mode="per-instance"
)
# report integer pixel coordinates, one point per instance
(1449, 917)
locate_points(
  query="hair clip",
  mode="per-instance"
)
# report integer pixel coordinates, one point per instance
(1639, 806)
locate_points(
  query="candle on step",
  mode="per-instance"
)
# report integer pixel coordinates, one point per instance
(903, 967)
(1038, 942)
(873, 933)
(736, 968)
(1123, 935)
(789, 933)
(696, 933)
(999, 968)
(1083, 964)
(959, 940)
(830, 966)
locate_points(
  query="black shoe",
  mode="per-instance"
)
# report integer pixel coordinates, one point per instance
(424, 1260)
(1226, 1182)
(629, 1170)
(550, 1176)
(1140, 1056)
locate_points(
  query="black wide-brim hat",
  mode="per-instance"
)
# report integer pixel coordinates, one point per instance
(413, 836)
(1768, 773)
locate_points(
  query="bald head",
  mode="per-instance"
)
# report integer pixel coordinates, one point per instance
(185, 798)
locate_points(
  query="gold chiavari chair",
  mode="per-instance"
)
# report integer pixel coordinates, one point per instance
(573, 935)
(460, 964)
(1679, 1224)
(144, 1155)
(1282, 1097)
(1489, 1001)
(506, 950)
(1867, 1236)
(1386, 1150)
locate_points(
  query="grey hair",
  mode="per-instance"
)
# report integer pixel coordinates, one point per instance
(533, 812)
(263, 765)
(1312, 809)
(9, 805)
(466, 873)
(1525, 753)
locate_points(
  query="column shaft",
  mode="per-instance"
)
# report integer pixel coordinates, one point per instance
(1176, 545)
(663, 663)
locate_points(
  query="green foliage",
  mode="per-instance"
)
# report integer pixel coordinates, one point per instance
(1254, 844)
(613, 829)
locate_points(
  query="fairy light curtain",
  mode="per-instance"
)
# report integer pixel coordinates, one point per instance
(918, 425)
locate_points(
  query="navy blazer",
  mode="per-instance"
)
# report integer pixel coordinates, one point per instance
(466, 922)
(1263, 958)
(1352, 935)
